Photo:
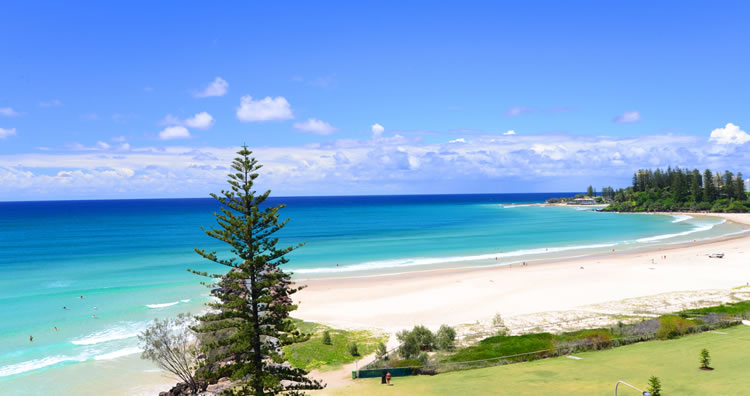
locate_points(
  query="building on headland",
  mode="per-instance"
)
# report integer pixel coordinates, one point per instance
(582, 201)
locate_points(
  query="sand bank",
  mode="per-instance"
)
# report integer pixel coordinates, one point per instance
(459, 296)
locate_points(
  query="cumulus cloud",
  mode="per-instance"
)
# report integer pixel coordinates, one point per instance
(266, 109)
(4, 133)
(509, 132)
(377, 130)
(459, 140)
(202, 120)
(8, 112)
(316, 126)
(174, 132)
(218, 87)
(628, 117)
(730, 134)
(396, 164)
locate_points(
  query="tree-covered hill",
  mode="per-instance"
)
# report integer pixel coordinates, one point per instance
(682, 190)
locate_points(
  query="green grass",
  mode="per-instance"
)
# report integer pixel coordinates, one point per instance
(739, 309)
(675, 362)
(498, 346)
(313, 354)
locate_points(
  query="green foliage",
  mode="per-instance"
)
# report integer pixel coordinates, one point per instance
(423, 357)
(418, 339)
(705, 358)
(445, 338)
(314, 354)
(654, 386)
(353, 349)
(741, 308)
(326, 338)
(243, 335)
(405, 363)
(681, 190)
(673, 326)
(381, 351)
(499, 325)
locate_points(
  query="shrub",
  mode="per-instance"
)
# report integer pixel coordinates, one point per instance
(736, 207)
(381, 352)
(353, 349)
(446, 338)
(423, 358)
(672, 326)
(705, 359)
(326, 338)
(654, 386)
(418, 339)
(499, 324)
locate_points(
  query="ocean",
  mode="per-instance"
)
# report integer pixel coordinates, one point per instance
(100, 271)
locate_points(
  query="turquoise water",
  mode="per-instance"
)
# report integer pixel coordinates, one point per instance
(128, 259)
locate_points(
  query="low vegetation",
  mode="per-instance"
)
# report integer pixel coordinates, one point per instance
(316, 354)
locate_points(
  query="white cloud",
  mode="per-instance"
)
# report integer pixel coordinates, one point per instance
(103, 145)
(509, 132)
(50, 103)
(174, 132)
(216, 88)
(316, 126)
(4, 133)
(8, 112)
(628, 117)
(377, 130)
(730, 134)
(459, 140)
(201, 120)
(118, 139)
(266, 109)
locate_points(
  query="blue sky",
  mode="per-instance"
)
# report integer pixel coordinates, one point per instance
(145, 99)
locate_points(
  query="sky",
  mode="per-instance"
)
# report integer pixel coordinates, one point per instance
(138, 99)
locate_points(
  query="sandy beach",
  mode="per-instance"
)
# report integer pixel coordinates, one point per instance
(673, 277)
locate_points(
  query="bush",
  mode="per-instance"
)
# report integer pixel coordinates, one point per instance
(326, 337)
(423, 358)
(353, 349)
(705, 359)
(446, 338)
(381, 352)
(499, 324)
(736, 207)
(418, 339)
(654, 386)
(672, 326)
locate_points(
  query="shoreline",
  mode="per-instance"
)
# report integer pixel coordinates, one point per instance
(427, 271)
(464, 295)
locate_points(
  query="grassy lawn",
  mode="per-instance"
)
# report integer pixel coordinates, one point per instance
(675, 362)
(314, 354)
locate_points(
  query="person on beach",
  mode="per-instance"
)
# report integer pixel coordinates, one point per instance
(388, 378)
(382, 378)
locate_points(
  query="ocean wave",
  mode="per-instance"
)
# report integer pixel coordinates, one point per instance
(119, 353)
(128, 330)
(700, 228)
(154, 306)
(397, 263)
(681, 218)
(36, 364)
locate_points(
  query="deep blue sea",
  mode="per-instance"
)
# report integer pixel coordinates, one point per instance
(99, 271)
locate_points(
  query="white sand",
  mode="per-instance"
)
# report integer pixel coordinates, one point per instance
(431, 298)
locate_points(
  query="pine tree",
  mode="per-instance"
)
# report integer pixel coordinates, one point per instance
(243, 337)
(709, 189)
(654, 386)
(739, 186)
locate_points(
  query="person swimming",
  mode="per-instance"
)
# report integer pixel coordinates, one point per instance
(64, 307)
(55, 328)
(31, 338)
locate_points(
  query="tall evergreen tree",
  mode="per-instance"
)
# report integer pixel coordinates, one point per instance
(709, 189)
(590, 191)
(243, 337)
(739, 185)
(728, 189)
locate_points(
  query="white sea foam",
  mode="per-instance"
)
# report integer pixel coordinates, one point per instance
(680, 218)
(126, 330)
(397, 263)
(155, 306)
(119, 353)
(699, 228)
(187, 300)
(18, 368)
